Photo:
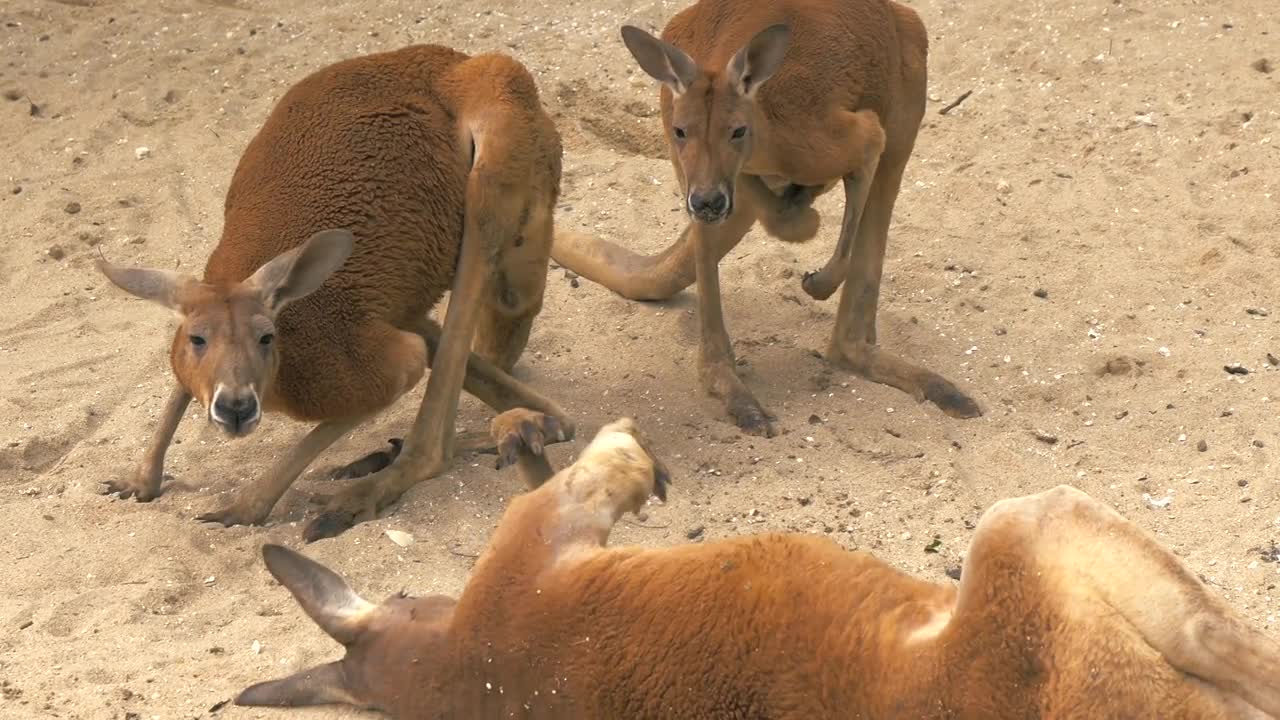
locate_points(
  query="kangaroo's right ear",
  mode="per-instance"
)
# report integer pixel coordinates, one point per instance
(164, 287)
(663, 61)
(321, 592)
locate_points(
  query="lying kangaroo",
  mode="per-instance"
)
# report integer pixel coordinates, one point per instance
(765, 106)
(442, 171)
(1064, 610)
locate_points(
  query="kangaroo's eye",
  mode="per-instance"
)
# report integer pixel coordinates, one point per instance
(739, 132)
(679, 132)
(267, 339)
(196, 340)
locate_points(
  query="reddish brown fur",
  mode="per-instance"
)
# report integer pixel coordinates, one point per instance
(844, 106)
(416, 153)
(1065, 610)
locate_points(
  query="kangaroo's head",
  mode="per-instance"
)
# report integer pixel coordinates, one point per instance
(224, 351)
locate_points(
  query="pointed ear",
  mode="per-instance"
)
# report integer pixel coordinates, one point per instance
(320, 685)
(663, 62)
(325, 596)
(299, 272)
(164, 287)
(759, 59)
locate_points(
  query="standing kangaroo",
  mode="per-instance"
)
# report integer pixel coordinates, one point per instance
(1065, 610)
(765, 106)
(375, 185)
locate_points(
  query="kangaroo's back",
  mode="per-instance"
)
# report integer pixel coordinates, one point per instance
(367, 144)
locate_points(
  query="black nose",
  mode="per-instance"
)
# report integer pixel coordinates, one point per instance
(236, 411)
(711, 204)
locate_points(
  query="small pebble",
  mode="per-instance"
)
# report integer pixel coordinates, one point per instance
(1041, 293)
(142, 152)
(695, 532)
(57, 253)
(1044, 437)
(1260, 312)
(954, 572)
(1236, 369)
(1242, 482)
(17, 190)
(72, 208)
(1273, 359)
(1202, 446)
(1258, 443)
(1262, 65)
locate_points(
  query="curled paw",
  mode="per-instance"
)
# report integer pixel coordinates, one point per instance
(521, 430)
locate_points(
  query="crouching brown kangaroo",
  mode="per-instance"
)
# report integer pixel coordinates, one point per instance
(375, 185)
(1064, 610)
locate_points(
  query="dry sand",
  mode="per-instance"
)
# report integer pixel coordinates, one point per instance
(1123, 157)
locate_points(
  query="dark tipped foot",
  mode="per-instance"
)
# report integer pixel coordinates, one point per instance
(233, 515)
(371, 463)
(330, 523)
(817, 286)
(950, 400)
(751, 418)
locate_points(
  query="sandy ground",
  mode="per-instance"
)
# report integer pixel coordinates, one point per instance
(1120, 157)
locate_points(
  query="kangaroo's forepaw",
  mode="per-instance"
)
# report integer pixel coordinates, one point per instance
(524, 431)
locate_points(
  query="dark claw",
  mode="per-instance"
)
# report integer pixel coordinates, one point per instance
(532, 436)
(661, 479)
(328, 524)
(508, 451)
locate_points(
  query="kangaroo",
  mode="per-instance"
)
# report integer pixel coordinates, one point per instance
(1064, 610)
(375, 185)
(766, 106)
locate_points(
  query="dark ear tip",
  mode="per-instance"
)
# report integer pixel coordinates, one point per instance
(272, 553)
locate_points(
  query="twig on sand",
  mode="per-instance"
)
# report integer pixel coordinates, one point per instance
(461, 554)
(955, 103)
(651, 527)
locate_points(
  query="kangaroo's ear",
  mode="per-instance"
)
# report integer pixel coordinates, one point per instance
(320, 685)
(321, 592)
(663, 61)
(164, 287)
(759, 59)
(301, 271)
